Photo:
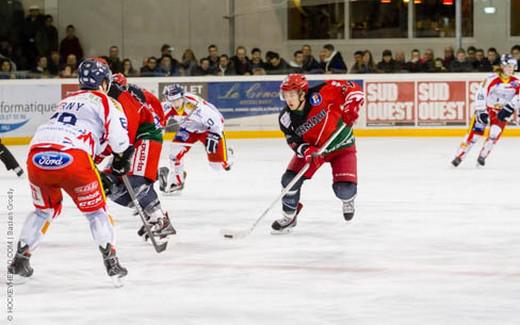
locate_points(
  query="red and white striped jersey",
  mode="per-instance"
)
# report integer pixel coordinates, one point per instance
(496, 91)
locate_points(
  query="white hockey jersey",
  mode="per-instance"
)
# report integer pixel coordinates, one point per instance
(196, 115)
(495, 92)
(86, 120)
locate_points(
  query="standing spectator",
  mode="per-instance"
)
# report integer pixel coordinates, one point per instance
(448, 56)
(358, 62)
(213, 56)
(150, 69)
(256, 59)
(461, 64)
(296, 64)
(241, 62)
(70, 45)
(481, 64)
(515, 52)
(189, 62)
(54, 63)
(493, 58)
(309, 62)
(203, 69)
(225, 68)
(275, 64)
(387, 64)
(128, 68)
(428, 61)
(414, 65)
(47, 39)
(6, 69)
(33, 28)
(400, 61)
(166, 49)
(114, 62)
(41, 71)
(333, 61)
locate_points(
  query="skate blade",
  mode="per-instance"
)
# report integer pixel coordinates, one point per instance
(285, 231)
(18, 280)
(117, 281)
(172, 193)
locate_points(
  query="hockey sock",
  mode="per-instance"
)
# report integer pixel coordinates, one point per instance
(101, 227)
(35, 227)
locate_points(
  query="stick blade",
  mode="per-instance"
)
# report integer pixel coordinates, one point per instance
(234, 234)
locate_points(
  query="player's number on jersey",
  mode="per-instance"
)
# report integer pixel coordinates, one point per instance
(65, 118)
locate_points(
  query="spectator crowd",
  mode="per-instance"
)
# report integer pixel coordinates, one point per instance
(31, 50)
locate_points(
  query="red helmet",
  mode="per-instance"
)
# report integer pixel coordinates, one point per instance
(120, 80)
(295, 81)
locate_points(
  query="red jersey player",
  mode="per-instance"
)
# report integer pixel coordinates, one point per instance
(309, 118)
(494, 92)
(60, 158)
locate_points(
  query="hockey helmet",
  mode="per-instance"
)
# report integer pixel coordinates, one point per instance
(507, 58)
(295, 81)
(173, 92)
(92, 72)
(120, 80)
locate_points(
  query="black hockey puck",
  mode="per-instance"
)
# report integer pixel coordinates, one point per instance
(228, 236)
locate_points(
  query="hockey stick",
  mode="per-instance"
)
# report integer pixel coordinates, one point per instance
(243, 233)
(158, 247)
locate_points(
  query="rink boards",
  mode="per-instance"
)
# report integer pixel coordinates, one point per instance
(395, 104)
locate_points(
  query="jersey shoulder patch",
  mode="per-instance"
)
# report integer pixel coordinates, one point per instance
(285, 120)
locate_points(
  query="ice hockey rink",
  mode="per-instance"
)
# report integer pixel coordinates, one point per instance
(430, 244)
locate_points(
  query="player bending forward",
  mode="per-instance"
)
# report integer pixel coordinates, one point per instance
(60, 157)
(198, 120)
(146, 136)
(310, 117)
(494, 92)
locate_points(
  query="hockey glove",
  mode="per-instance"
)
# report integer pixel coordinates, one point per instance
(505, 112)
(121, 161)
(482, 117)
(212, 142)
(350, 115)
(312, 157)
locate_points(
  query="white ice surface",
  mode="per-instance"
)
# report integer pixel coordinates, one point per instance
(429, 244)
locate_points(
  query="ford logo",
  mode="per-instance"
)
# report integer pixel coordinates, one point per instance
(52, 160)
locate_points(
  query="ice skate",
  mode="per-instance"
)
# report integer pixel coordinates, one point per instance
(348, 209)
(21, 265)
(285, 224)
(162, 228)
(481, 161)
(114, 269)
(456, 162)
(170, 184)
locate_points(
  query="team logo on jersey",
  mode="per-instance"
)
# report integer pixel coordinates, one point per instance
(315, 99)
(182, 135)
(52, 160)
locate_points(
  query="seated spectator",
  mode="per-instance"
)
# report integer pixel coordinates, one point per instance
(165, 67)
(448, 56)
(333, 61)
(367, 65)
(213, 56)
(203, 69)
(481, 63)
(461, 64)
(515, 52)
(40, 70)
(189, 62)
(358, 62)
(150, 69)
(72, 60)
(225, 68)
(69, 71)
(296, 64)
(54, 63)
(6, 69)
(114, 62)
(493, 58)
(275, 64)
(387, 64)
(438, 65)
(256, 58)
(310, 64)
(70, 45)
(400, 61)
(259, 71)
(7, 52)
(128, 69)
(470, 54)
(241, 62)
(414, 65)
(428, 61)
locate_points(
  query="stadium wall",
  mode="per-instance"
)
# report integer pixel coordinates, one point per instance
(395, 104)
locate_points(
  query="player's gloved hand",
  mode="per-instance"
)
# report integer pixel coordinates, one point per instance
(350, 114)
(212, 141)
(505, 112)
(482, 117)
(312, 157)
(121, 161)
(105, 182)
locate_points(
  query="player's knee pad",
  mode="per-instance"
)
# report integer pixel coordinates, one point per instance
(494, 132)
(101, 227)
(291, 199)
(344, 190)
(35, 226)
